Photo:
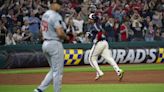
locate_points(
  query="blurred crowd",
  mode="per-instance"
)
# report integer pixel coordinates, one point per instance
(122, 20)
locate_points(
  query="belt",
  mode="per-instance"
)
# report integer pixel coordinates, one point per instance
(49, 40)
(52, 40)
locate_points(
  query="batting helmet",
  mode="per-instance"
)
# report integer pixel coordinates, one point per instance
(93, 16)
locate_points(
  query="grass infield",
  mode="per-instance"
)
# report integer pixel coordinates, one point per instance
(128, 67)
(90, 88)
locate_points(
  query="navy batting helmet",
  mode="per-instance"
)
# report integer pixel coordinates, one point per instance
(93, 16)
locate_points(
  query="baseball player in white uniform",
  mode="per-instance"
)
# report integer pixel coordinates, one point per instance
(100, 47)
(52, 27)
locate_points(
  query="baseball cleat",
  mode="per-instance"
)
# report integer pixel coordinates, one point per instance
(121, 75)
(37, 90)
(98, 76)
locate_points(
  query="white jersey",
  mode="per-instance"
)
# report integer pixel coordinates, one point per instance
(50, 21)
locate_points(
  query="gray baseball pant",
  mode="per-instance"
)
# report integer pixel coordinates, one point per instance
(54, 52)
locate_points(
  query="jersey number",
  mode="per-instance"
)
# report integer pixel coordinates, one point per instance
(44, 26)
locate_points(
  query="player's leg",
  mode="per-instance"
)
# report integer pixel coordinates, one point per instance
(94, 53)
(90, 55)
(57, 66)
(108, 56)
(48, 78)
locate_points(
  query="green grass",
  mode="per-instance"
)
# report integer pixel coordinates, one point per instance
(88, 87)
(91, 88)
(129, 67)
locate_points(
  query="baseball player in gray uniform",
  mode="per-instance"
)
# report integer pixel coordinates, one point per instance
(52, 27)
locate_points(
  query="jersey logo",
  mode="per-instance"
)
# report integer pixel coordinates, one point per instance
(44, 25)
(60, 22)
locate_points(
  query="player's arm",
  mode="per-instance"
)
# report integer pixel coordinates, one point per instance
(61, 34)
(59, 28)
(40, 35)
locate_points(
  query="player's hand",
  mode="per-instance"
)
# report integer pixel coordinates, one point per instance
(67, 38)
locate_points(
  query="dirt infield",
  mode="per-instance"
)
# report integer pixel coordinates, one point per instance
(86, 78)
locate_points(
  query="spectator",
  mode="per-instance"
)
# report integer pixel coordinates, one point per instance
(3, 32)
(146, 22)
(18, 36)
(34, 23)
(157, 18)
(152, 4)
(123, 36)
(10, 21)
(158, 34)
(110, 9)
(118, 13)
(86, 38)
(18, 25)
(78, 23)
(136, 19)
(162, 36)
(80, 38)
(25, 26)
(26, 34)
(130, 31)
(137, 27)
(71, 31)
(109, 29)
(146, 10)
(10, 40)
(150, 31)
(141, 12)
(92, 8)
(4, 20)
(137, 5)
(74, 3)
(116, 28)
(96, 2)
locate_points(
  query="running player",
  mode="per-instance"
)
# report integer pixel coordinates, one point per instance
(100, 47)
(52, 27)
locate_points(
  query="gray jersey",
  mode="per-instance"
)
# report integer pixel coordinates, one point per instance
(50, 21)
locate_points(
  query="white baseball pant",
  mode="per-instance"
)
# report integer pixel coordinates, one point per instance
(102, 48)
